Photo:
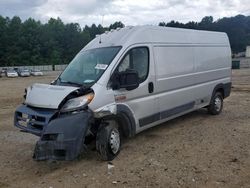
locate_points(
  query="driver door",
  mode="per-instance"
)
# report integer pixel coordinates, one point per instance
(141, 100)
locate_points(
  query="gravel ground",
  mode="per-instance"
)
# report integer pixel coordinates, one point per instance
(195, 150)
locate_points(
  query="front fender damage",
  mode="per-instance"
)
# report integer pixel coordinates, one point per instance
(63, 138)
(106, 111)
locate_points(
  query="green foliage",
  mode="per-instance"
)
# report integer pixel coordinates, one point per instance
(33, 43)
(237, 28)
(116, 25)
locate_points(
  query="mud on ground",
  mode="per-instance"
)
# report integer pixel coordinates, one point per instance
(195, 150)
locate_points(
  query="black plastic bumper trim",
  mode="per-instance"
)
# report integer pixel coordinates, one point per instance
(165, 114)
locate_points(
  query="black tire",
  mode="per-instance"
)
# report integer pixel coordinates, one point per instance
(108, 140)
(216, 104)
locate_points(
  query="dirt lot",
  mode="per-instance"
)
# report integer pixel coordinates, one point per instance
(196, 150)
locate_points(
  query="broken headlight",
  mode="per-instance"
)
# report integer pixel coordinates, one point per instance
(77, 103)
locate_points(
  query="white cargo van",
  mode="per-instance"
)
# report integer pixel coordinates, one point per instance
(123, 82)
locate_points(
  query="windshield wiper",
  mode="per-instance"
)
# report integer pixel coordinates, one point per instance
(72, 83)
(69, 82)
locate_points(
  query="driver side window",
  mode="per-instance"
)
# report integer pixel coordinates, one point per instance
(136, 59)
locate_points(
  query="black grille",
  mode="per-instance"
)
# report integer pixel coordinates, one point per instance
(34, 122)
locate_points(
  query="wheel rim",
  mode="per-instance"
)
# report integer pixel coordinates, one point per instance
(114, 141)
(217, 104)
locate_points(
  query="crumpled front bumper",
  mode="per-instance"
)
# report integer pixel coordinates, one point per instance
(33, 120)
(61, 138)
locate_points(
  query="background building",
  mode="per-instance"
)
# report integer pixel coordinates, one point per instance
(248, 51)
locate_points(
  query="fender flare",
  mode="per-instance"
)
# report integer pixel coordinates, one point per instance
(225, 87)
(128, 122)
(216, 88)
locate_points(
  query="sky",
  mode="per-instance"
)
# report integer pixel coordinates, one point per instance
(130, 12)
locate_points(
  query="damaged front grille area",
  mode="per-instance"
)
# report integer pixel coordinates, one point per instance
(32, 120)
(36, 123)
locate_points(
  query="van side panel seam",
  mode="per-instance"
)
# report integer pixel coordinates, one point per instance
(165, 114)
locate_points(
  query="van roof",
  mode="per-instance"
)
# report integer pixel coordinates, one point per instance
(156, 34)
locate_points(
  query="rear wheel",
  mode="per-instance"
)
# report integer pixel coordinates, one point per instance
(216, 104)
(108, 141)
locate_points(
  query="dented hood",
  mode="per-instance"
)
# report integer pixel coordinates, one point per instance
(47, 96)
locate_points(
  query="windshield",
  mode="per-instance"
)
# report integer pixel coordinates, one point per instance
(88, 66)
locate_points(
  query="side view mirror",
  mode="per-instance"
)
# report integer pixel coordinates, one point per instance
(128, 79)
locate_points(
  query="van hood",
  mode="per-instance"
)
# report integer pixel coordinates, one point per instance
(47, 96)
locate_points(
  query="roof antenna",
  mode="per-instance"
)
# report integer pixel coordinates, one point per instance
(100, 39)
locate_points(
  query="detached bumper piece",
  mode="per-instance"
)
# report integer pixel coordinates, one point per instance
(63, 138)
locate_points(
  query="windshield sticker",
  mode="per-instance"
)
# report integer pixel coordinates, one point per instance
(88, 81)
(101, 66)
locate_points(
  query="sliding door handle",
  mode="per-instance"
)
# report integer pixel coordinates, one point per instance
(150, 87)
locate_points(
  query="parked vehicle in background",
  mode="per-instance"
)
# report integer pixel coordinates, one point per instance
(11, 73)
(36, 73)
(122, 83)
(4, 70)
(24, 72)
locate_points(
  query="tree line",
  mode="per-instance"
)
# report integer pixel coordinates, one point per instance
(34, 43)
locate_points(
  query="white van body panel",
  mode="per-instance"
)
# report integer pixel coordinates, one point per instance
(185, 67)
(47, 96)
(155, 74)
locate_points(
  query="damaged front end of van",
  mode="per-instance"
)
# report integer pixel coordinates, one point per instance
(60, 116)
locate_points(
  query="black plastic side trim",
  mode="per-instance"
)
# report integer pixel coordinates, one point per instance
(227, 89)
(177, 110)
(165, 114)
(130, 125)
(149, 119)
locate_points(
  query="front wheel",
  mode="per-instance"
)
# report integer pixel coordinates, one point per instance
(108, 142)
(216, 104)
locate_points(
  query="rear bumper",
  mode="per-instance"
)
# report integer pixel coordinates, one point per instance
(24, 75)
(12, 76)
(61, 138)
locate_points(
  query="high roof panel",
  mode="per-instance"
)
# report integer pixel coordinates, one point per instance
(155, 34)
